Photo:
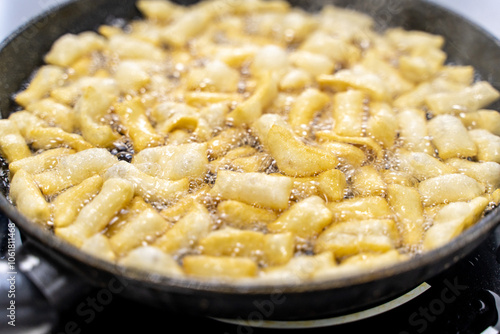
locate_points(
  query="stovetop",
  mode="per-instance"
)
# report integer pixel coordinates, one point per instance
(465, 298)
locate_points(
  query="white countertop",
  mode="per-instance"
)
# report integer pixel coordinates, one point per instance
(486, 13)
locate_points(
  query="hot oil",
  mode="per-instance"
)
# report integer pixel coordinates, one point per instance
(4, 176)
(173, 73)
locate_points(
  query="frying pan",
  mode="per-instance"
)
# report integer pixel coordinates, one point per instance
(54, 273)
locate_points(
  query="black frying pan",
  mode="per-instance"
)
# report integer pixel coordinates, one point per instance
(55, 273)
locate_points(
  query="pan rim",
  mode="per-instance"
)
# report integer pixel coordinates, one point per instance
(474, 233)
(32, 21)
(449, 250)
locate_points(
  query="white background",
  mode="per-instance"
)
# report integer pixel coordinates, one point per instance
(486, 13)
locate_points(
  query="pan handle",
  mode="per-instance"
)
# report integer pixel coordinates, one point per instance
(34, 289)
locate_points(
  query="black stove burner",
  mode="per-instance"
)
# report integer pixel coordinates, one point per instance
(463, 299)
